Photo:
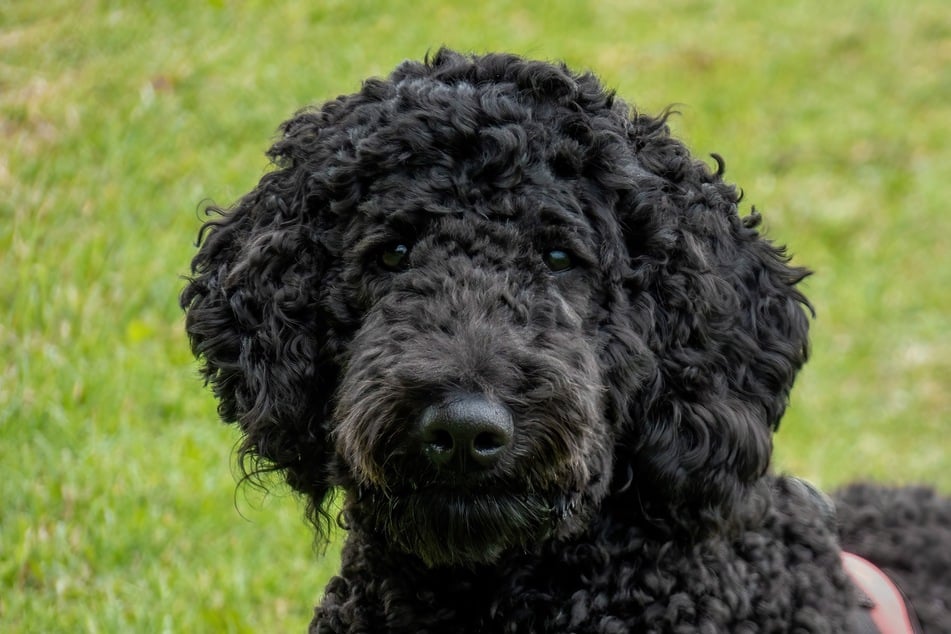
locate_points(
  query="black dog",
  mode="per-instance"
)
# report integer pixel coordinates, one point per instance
(532, 341)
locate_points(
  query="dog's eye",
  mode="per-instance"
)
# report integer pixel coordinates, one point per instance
(558, 260)
(394, 257)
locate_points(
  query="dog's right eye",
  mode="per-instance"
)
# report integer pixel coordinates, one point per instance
(394, 257)
(558, 260)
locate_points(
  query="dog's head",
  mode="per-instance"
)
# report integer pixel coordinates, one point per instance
(486, 299)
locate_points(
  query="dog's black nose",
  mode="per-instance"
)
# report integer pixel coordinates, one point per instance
(466, 433)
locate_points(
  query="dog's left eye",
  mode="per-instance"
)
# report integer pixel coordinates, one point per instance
(558, 260)
(395, 257)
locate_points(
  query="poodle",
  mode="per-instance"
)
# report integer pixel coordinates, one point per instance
(530, 341)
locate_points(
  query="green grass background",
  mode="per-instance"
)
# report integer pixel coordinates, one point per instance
(119, 510)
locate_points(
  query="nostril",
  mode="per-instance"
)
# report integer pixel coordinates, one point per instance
(488, 442)
(438, 439)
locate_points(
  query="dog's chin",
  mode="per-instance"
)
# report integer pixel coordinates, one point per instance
(448, 528)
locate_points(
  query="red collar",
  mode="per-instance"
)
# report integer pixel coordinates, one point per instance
(888, 609)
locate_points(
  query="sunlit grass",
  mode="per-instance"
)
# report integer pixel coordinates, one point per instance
(117, 119)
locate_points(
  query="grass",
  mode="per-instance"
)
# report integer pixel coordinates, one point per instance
(117, 119)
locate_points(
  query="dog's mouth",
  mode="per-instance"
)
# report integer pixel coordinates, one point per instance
(448, 527)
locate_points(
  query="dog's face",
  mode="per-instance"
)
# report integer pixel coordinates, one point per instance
(470, 413)
(481, 299)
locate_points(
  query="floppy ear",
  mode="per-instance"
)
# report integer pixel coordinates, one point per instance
(254, 316)
(726, 328)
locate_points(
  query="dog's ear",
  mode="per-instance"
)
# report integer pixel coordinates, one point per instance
(718, 308)
(255, 317)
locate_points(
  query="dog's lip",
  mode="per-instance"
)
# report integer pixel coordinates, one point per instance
(450, 491)
(474, 484)
(562, 505)
(461, 492)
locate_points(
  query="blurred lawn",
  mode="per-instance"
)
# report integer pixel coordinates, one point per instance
(117, 119)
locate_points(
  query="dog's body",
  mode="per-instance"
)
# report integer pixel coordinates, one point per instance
(533, 342)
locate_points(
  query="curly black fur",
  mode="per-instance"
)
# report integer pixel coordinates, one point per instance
(507, 231)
